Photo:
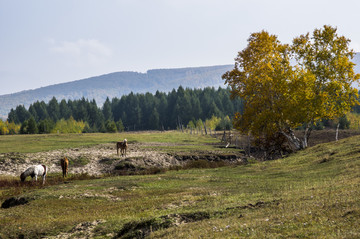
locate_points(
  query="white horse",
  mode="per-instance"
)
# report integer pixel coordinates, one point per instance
(35, 171)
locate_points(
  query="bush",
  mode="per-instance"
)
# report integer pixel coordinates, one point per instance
(344, 122)
(110, 126)
(69, 126)
(46, 126)
(29, 126)
(79, 162)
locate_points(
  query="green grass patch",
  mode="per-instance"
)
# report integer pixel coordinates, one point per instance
(314, 193)
(47, 142)
(79, 161)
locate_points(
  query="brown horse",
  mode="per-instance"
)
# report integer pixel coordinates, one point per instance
(122, 146)
(64, 165)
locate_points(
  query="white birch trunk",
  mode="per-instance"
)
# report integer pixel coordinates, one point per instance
(298, 143)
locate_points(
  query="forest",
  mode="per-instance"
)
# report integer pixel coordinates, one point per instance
(132, 112)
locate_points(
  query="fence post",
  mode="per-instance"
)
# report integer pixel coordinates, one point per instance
(224, 137)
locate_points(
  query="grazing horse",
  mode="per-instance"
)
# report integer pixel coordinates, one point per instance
(64, 165)
(35, 171)
(123, 146)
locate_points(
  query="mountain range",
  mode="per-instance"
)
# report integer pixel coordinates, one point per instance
(117, 84)
(121, 83)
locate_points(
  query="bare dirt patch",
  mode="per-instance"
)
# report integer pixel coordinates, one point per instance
(96, 160)
(102, 159)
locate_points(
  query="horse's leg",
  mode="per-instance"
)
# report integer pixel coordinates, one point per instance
(43, 179)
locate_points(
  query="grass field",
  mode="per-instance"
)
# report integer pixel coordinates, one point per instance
(314, 193)
(46, 142)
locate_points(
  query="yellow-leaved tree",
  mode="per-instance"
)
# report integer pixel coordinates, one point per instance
(285, 86)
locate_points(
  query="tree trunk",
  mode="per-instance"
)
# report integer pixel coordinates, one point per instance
(293, 139)
(307, 135)
(337, 132)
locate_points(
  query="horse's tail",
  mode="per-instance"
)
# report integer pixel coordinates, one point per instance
(44, 174)
(64, 165)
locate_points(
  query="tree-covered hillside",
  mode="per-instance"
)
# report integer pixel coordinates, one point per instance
(130, 112)
(118, 84)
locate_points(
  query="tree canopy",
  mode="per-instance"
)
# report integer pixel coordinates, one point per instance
(286, 86)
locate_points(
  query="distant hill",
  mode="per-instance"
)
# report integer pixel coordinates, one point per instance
(118, 84)
(122, 83)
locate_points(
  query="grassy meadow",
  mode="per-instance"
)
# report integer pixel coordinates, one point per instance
(314, 193)
(46, 142)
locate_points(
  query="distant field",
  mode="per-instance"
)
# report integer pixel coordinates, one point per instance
(46, 142)
(314, 193)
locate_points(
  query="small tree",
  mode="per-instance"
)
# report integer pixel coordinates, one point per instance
(213, 122)
(32, 127)
(120, 125)
(69, 126)
(110, 126)
(191, 125)
(46, 126)
(3, 128)
(12, 127)
(199, 124)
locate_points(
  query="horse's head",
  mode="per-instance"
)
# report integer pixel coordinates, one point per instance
(22, 177)
(125, 140)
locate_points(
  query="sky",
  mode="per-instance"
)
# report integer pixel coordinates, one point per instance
(46, 42)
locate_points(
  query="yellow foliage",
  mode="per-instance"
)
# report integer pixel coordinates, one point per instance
(3, 128)
(354, 119)
(280, 96)
(8, 128)
(69, 126)
(213, 122)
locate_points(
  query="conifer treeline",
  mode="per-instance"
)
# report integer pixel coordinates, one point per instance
(132, 112)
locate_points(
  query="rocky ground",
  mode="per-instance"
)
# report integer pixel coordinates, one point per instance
(94, 160)
(100, 159)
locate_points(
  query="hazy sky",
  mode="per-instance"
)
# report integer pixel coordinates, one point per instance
(45, 42)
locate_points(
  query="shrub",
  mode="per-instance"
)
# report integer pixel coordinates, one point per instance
(69, 126)
(110, 126)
